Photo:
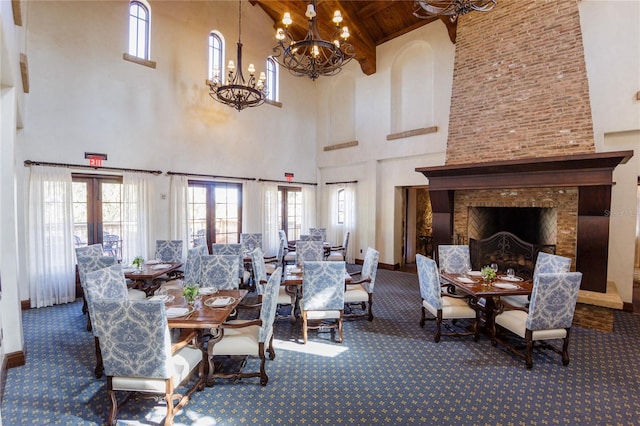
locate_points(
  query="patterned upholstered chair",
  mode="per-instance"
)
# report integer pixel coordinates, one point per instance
(289, 250)
(169, 250)
(233, 249)
(309, 251)
(322, 296)
(250, 241)
(441, 305)
(219, 271)
(139, 357)
(251, 337)
(549, 316)
(191, 269)
(272, 263)
(285, 296)
(546, 264)
(340, 252)
(318, 234)
(84, 251)
(103, 279)
(454, 259)
(360, 291)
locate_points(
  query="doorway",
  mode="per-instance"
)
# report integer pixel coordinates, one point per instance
(417, 229)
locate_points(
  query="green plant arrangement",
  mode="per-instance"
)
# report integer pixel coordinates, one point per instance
(190, 292)
(138, 262)
(488, 274)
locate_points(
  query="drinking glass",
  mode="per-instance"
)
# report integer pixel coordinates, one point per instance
(468, 268)
(511, 273)
(494, 266)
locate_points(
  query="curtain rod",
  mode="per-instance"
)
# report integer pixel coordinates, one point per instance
(209, 176)
(340, 183)
(84, 166)
(285, 181)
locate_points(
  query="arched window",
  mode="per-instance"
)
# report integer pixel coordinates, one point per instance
(273, 86)
(216, 55)
(139, 29)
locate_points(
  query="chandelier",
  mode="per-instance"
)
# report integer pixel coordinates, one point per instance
(236, 92)
(451, 8)
(313, 56)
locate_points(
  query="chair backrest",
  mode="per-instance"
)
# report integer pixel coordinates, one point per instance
(92, 250)
(134, 338)
(553, 300)
(250, 241)
(454, 259)
(429, 280)
(551, 263)
(280, 255)
(345, 242)
(304, 237)
(88, 264)
(219, 271)
(192, 266)
(169, 250)
(323, 286)
(269, 305)
(309, 251)
(230, 249)
(104, 283)
(318, 234)
(283, 236)
(370, 268)
(259, 270)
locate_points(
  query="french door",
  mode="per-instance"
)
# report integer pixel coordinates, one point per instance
(290, 215)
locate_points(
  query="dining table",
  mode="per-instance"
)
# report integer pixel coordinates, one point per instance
(485, 296)
(145, 278)
(205, 316)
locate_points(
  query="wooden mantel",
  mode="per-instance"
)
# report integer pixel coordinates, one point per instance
(592, 174)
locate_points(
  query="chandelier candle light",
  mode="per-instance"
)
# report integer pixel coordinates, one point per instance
(313, 56)
(236, 92)
(451, 8)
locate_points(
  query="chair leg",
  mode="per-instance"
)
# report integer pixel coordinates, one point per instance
(168, 420)
(271, 350)
(370, 318)
(424, 317)
(304, 326)
(114, 403)
(565, 349)
(436, 337)
(264, 379)
(528, 354)
(99, 370)
(340, 330)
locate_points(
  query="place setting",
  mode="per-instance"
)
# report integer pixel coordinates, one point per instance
(219, 301)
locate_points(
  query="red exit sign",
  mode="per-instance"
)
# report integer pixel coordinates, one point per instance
(95, 159)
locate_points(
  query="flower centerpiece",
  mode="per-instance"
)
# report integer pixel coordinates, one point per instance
(190, 292)
(488, 274)
(138, 262)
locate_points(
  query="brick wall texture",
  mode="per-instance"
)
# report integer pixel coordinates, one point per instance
(520, 84)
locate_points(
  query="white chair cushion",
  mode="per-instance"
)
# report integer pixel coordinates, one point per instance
(284, 298)
(452, 308)
(335, 255)
(184, 361)
(270, 268)
(515, 321)
(320, 315)
(355, 293)
(136, 294)
(521, 301)
(290, 256)
(238, 341)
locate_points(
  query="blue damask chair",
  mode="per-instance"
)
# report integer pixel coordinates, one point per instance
(289, 249)
(286, 296)
(318, 234)
(233, 249)
(250, 241)
(169, 250)
(219, 271)
(309, 251)
(442, 305)
(545, 264)
(94, 250)
(454, 259)
(139, 356)
(103, 278)
(191, 269)
(340, 252)
(251, 337)
(549, 316)
(322, 301)
(361, 291)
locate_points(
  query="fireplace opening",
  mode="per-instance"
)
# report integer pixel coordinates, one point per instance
(535, 225)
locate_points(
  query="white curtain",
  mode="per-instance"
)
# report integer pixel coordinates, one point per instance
(308, 209)
(270, 224)
(350, 215)
(178, 211)
(51, 243)
(251, 210)
(336, 231)
(137, 219)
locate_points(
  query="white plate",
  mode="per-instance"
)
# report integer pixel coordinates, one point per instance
(510, 279)
(465, 280)
(161, 266)
(176, 312)
(220, 301)
(474, 273)
(205, 291)
(506, 286)
(166, 298)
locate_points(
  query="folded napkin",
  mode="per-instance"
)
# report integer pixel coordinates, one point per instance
(177, 312)
(465, 280)
(161, 266)
(221, 301)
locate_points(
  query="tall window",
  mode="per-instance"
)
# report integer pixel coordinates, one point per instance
(215, 212)
(273, 86)
(290, 216)
(216, 55)
(97, 212)
(341, 206)
(139, 29)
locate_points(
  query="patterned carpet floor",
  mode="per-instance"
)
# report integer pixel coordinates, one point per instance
(388, 371)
